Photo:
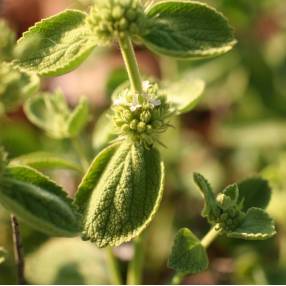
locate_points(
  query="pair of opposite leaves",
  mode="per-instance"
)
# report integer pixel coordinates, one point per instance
(123, 187)
(117, 197)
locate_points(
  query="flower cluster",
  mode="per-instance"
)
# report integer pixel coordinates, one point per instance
(141, 117)
(229, 215)
(115, 18)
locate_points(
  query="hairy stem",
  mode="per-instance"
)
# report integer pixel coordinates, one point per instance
(18, 250)
(113, 266)
(209, 237)
(135, 268)
(206, 242)
(131, 64)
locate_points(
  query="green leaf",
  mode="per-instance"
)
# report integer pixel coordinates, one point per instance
(38, 201)
(254, 192)
(103, 132)
(120, 193)
(188, 255)
(45, 160)
(210, 208)
(78, 118)
(187, 29)
(3, 255)
(232, 191)
(257, 225)
(7, 41)
(49, 112)
(185, 94)
(15, 86)
(56, 45)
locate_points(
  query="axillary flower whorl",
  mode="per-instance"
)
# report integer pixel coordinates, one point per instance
(115, 18)
(230, 215)
(141, 117)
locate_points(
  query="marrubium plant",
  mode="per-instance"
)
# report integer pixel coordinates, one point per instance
(122, 188)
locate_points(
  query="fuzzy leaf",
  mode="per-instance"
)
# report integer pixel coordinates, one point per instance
(187, 29)
(78, 118)
(257, 225)
(120, 193)
(56, 45)
(45, 160)
(15, 86)
(185, 94)
(3, 254)
(38, 201)
(254, 192)
(49, 112)
(103, 132)
(210, 207)
(188, 255)
(7, 41)
(232, 191)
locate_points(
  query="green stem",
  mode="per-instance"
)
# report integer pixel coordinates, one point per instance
(206, 242)
(131, 64)
(113, 267)
(81, 154)
(135, 269)
(209, 237)
(18, 250)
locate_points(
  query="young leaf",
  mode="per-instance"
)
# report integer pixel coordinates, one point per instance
(257, 225)
(3, 254)
(188, 255)
(120, 193)
(103, 132)
(210, 208)
(16, 86)
(49, 112)
(78, 118)
(187, 29)
(232, 191)
(7, 41)
(254, 192)
(45, 160)
(185, 94)
(56, 45)
(38, 201)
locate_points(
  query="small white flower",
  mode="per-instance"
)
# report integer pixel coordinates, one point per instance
(155, 102)
(118, 101)
(146, 84)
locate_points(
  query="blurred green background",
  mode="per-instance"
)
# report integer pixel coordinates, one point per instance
(238, 129)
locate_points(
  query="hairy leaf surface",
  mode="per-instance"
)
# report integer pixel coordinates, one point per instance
(257, 225)
(120, 193)
(38, 201)
(188, 255)
(210, 207)
(78, 118)
(254, 192)
(16, 86)
(187, 29)
(45, 160)
(56, 45)
(185, 94)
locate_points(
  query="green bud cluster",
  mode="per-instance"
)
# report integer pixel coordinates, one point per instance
(109, 19)
(141, 122)
(229, 215)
